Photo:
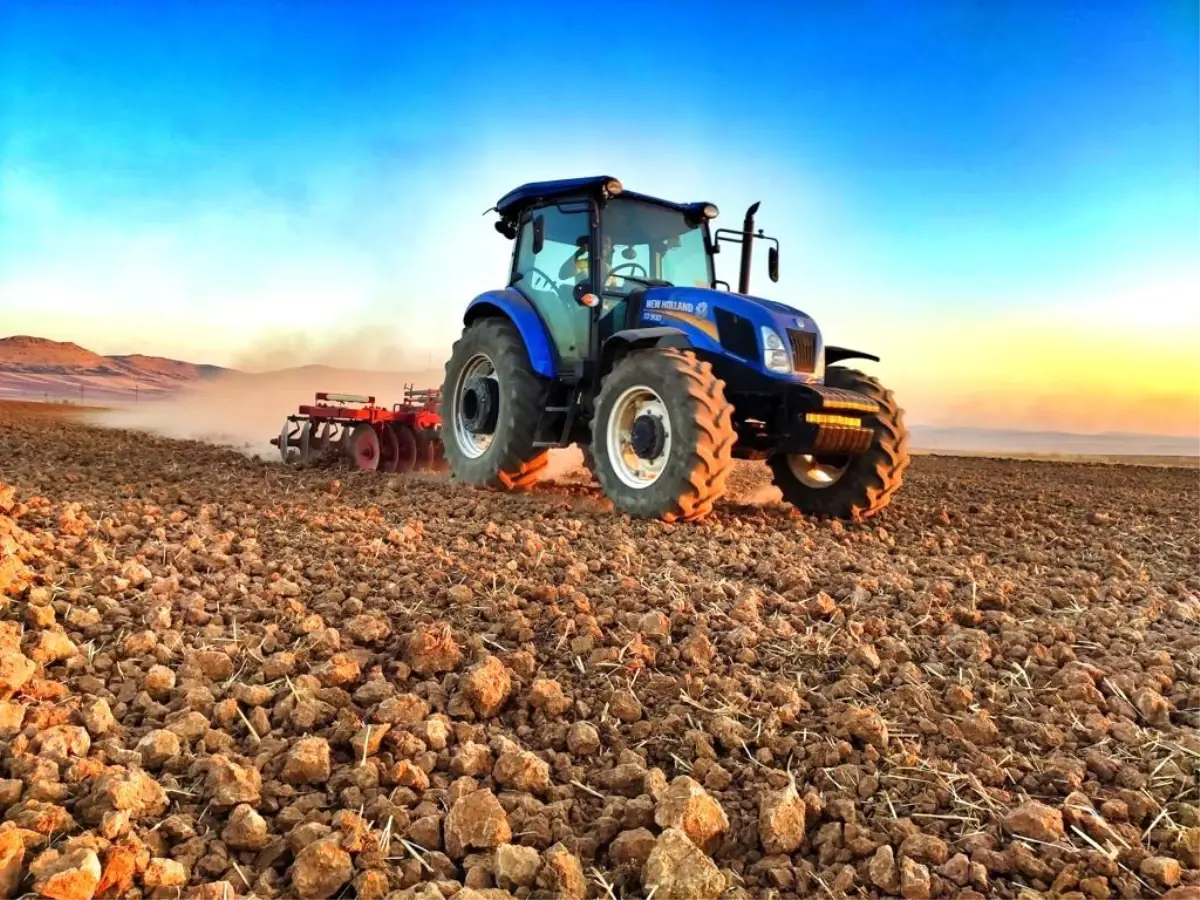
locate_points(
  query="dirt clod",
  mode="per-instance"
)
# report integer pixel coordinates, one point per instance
(677, 869)
(1036, 820)
(687, 806)
(781, 820)
(516, 866)
(70, 876)
(321, 870)
(476, 821)
(229, 784)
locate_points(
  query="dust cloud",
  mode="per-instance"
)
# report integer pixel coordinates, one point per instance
(564, 462)
(245, 411)
(368, 348)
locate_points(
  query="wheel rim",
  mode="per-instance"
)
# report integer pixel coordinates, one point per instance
(816, 472)
(472, 443)
(627, 422)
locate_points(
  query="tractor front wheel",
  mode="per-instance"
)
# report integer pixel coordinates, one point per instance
(845, 487)
(492, 402)
(662, 436)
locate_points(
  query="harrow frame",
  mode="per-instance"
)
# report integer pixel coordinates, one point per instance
(405, 437)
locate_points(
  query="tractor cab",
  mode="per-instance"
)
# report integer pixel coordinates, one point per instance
(644, 243)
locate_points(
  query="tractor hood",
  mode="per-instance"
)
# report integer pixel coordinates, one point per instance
(695, 310)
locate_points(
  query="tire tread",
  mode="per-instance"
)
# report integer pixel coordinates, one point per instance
(521, 466)
(711, 456)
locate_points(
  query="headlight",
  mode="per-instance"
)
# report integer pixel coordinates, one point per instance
(710, 211)
(775, 355)
(819, 368)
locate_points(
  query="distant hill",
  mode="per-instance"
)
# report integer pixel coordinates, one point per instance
(23, 351)
(33, 367)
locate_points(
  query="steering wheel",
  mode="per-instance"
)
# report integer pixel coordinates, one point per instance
(630, 265)
(553, 285)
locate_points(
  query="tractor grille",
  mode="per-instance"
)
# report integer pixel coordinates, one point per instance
(736, 334)
(804, 351)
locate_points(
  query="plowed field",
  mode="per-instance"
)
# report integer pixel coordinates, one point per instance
(224, 678)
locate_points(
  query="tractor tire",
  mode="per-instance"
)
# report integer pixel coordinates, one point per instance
(859, 487)
(693, 446)
(509, 461)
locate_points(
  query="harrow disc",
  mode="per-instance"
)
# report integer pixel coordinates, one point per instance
(305, 442)
(362, 447)
(322, 439)
(339, 438)
(408, 447)
(287, 441)
(424, 449)
(389, 450)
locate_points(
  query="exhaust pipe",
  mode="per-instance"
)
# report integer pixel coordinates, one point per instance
(747, 249)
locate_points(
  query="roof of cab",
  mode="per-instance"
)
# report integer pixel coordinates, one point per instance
(511, 204)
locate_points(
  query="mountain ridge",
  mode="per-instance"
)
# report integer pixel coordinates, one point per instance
(35, 366)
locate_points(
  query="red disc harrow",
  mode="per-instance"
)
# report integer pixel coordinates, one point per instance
(405, 438)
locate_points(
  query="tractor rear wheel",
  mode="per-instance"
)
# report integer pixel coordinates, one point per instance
(844, 487)
(492, 400)
(662, 436)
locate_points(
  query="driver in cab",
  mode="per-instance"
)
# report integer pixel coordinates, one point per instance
(575, 268)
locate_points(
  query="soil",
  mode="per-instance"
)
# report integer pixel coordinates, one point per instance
(220, 677)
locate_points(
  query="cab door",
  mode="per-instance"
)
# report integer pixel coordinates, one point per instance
(548, 275)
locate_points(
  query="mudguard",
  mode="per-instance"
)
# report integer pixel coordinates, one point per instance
(837, 354)
(657, 336)
(512, 305)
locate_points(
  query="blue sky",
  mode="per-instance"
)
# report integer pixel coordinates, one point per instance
(194, 178)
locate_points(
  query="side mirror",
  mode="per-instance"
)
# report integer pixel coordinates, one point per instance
(539, 234)
(773, 263)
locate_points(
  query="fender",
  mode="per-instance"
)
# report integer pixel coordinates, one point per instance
(634, 338)
(512, 305)
(837, 354)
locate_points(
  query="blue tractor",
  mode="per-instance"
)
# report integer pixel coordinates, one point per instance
(658, 370)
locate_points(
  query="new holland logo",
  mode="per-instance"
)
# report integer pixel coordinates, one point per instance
(702, 309)
(799, 323)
